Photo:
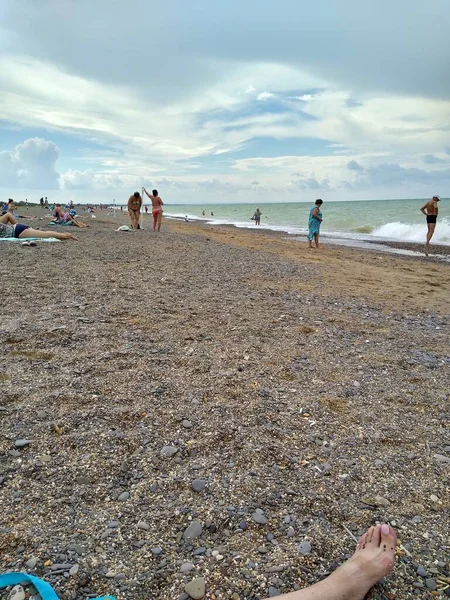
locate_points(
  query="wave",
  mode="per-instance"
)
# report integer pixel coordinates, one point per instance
(393, 231)
(413, 232)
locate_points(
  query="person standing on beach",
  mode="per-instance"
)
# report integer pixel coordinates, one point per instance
(157, 205)
(257, 217)
(134, 209)
(315, 220)
(430, 210)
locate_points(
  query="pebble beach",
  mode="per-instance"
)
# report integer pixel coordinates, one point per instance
(218, 413)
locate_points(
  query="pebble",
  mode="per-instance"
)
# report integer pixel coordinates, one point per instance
(21, 443)
(186, 424)
(17, 593)
(42, 414)
(82, 480)
(74, 570)
(113, 524)
(243, 525)
(259, 518)
(198, 485)
(156, 551)
(31, 563)
(199, 551)
(186, 567)
(143, 525)
(422, 571)
(379, 462)
(194, 530)
(123, 496)
(273, 591)
(168, 450)
(431, 584)
(440, 458)
(196, 588)
(110, 574)
(290, 532)
(305, 547)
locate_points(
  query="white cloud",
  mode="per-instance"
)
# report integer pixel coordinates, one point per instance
(265, 96)
(88, 180)
(30, 165)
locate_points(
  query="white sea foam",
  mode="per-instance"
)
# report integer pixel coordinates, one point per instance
(413, 232)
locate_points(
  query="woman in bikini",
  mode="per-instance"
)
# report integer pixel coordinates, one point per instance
(157, 204)
(134, 209)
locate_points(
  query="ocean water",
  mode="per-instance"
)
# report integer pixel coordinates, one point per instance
(375, 220)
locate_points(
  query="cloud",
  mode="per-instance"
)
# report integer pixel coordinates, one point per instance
(30, 165)
(354, 166)
(265, 96)
(88, 180)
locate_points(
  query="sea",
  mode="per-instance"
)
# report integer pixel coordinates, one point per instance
(348, 222)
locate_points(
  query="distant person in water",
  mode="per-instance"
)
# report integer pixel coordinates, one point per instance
(10, 228)
(315, 220)
(212, 214)
(203, 213)
(373, 559)
(157, 211)
(134, 209)
(430, 210)
(257, 217)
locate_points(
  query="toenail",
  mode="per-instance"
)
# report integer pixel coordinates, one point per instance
(385, 528)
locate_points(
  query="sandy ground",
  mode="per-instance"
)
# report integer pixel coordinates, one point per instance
(312, 386)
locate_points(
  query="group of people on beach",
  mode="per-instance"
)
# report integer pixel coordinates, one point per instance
(135, 205)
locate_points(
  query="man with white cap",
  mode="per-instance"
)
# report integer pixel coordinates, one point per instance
(430, 210)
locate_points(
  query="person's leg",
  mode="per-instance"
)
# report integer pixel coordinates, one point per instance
(131, 215)
(431, 228)
(316, 239)
(8, 218)
(159, 220)
(155, 220)
(372, 560)
(36, 233)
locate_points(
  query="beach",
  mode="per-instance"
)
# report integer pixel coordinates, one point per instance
(220, 403)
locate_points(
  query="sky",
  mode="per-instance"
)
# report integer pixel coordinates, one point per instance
(224, 102)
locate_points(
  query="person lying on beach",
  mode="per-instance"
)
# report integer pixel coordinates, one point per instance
(61, 217)
(134, 209)
(372, 560)
(11, 208)
(430, 210)
(157, 211)
(10, 228)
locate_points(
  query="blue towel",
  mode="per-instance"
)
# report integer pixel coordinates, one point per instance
(14, 239)
(45, 589)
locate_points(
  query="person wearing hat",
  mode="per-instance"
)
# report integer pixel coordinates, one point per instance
(430, 210)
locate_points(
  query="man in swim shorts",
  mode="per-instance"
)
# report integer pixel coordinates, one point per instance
(134, 209)
(157, 205)
(430, 210)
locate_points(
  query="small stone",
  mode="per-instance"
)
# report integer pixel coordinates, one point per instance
(290, 532)
(42, 414)
(198, 485)
(434, 498)
(113, 524)
(82, 480)
(194, 530)
(31, 563)
(416, 519)
(196, 588)
(273, 591)
(21, 443)
(45, 458)
(143, 525)
(379, 462)
(153, 487)
(168, 450)
(79, 549)
(199, 551)
(186, 567)
(243, 525)
(305, 547)
(431, 584)
(123, 496)
(259, 518)
(186, 424)
(110, 574)
(422, 571)
(440, 458)
(17, 593)
(74, 570)
(14, 453)
(156, 551)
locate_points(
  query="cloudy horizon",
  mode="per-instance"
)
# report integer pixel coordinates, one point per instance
(249, 101)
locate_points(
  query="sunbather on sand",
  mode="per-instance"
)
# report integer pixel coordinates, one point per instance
(10, 228)
(61, 217)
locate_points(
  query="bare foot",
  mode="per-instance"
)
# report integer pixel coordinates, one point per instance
(372, 560)
(69, 236)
